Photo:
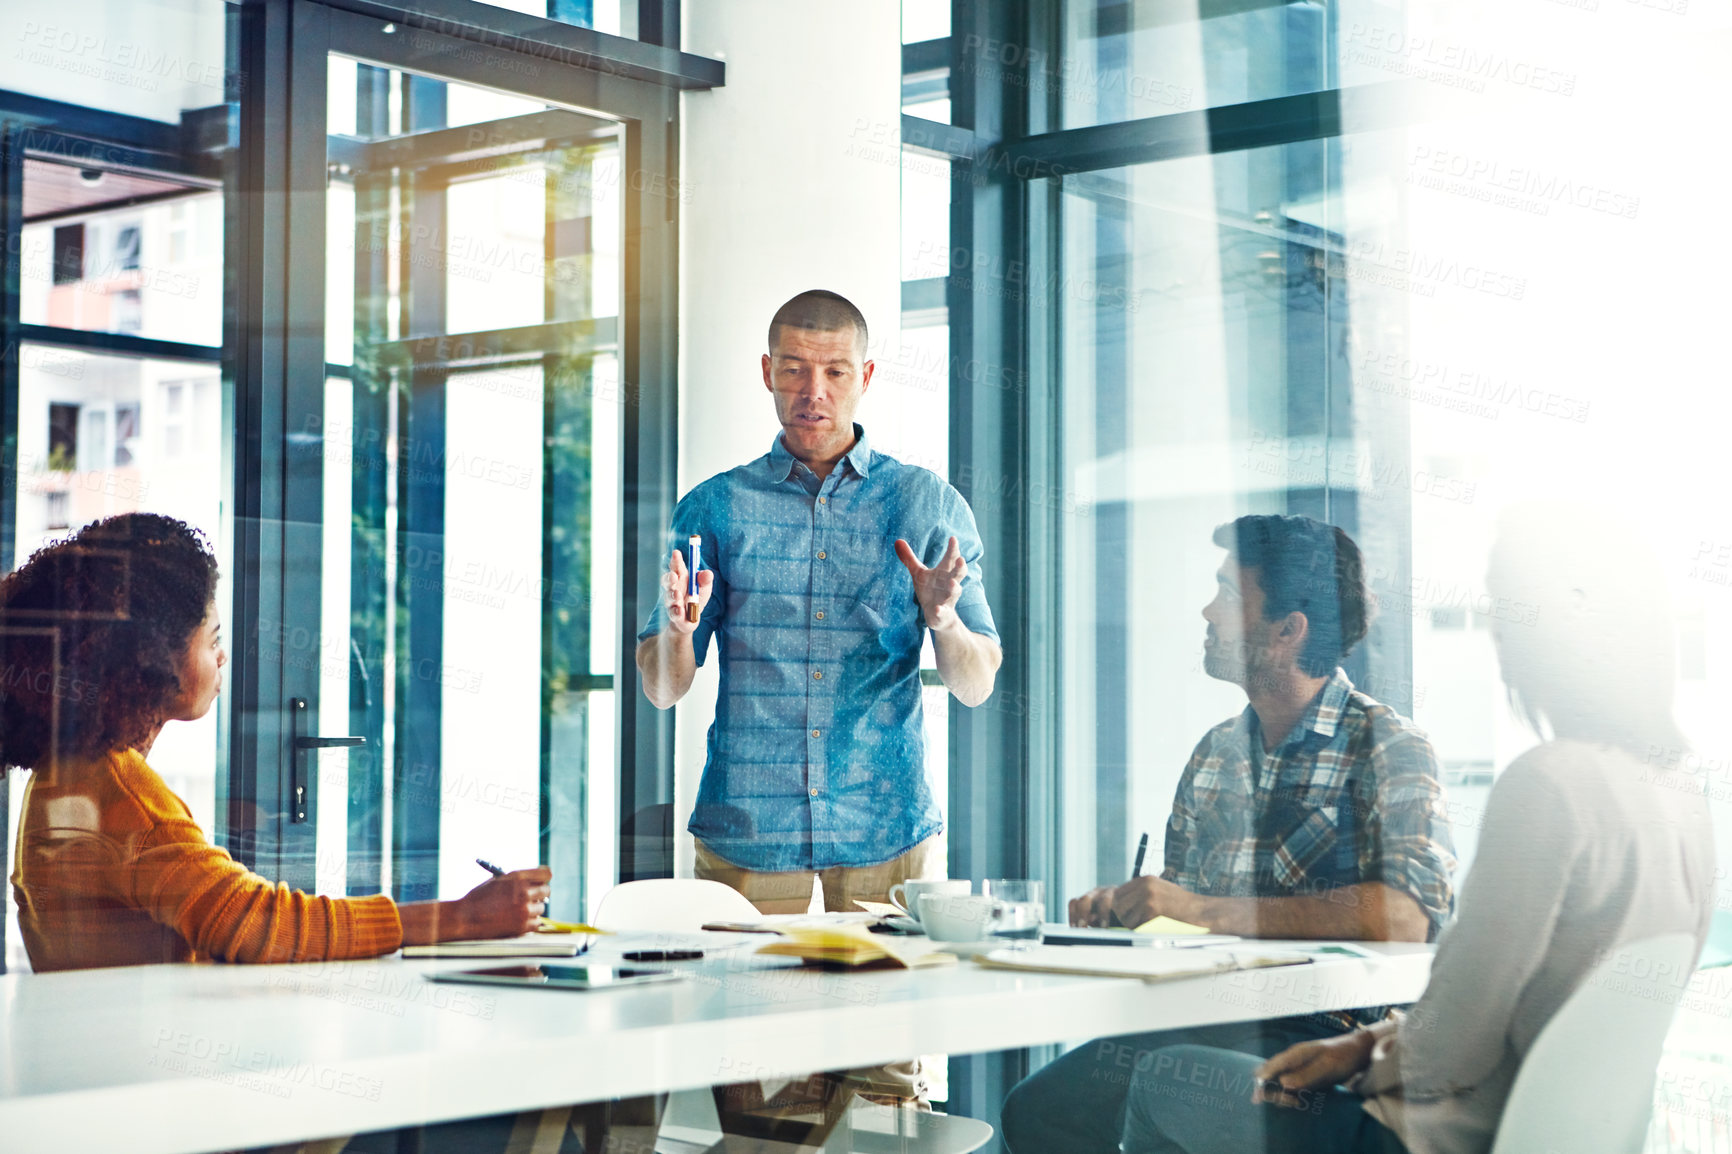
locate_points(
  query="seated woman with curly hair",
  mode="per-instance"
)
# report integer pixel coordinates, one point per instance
(106, 637)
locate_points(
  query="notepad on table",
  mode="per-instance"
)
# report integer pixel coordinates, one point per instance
(528, 946)
(855, 947)
(1152, 933)
(1149, 965)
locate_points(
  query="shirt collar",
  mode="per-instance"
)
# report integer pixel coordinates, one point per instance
(1322, 716)
(859, 458)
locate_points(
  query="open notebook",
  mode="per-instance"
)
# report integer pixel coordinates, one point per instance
(528, 946)
(1150, 965)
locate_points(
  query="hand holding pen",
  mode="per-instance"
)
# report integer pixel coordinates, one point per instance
(686, 590)
(506, 905)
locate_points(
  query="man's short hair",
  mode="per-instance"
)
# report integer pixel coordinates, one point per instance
(1308, 567)
(822, 311)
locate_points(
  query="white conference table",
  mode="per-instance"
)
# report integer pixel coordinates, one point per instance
(178, 1059)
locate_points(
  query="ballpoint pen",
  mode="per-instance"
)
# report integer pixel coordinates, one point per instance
(1142, 851)
(499, 873)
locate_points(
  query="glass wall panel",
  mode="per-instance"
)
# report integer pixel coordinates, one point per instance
(479, 291)
(1207, 307)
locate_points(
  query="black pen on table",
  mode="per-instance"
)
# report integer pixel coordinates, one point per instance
(1142, 852)
(499, 873)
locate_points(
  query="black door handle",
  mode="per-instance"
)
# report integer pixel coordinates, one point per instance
(300, 782)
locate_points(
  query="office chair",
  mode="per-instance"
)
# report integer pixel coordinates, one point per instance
(1587, 1083)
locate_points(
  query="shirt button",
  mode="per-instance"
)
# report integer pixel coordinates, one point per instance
(817, 675)
(820, 615)
(814, 793)
(814, 733)
(821, 554)
(823, 500)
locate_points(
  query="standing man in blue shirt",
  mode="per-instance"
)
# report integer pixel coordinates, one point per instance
(822, 565)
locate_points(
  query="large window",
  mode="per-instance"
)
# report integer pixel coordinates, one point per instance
(113, 397)
(405, 403)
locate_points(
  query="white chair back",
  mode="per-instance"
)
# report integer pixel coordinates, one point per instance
(1587, 1084)
(670, 905)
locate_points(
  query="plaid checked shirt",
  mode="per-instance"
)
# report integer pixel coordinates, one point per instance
(1351, 796)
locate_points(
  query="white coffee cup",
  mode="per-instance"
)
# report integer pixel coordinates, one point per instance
(958, 917)
(905, 896)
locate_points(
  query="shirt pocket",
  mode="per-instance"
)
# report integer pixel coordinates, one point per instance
(1305, 844)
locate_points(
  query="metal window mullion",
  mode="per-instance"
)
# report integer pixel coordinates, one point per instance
(276, 199)
(649, 375)
(11, 268)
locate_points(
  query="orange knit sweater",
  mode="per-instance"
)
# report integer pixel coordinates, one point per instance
(111, 870)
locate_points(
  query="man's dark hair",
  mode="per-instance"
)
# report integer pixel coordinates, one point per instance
(92, 632)
(821, 311)
(1308, 567)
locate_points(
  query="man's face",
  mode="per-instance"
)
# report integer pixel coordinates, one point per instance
(1237, 645)
(817, 379)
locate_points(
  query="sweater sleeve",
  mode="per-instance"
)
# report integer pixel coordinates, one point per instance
(226, 911)
(1458, 1031)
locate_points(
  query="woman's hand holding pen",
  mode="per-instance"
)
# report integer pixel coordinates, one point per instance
(504, 906)
(674, 593)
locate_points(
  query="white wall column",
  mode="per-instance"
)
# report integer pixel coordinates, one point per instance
(792, 181)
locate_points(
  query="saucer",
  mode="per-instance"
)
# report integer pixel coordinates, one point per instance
(906, 924)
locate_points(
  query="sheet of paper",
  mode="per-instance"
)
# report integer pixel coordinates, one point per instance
(1166, 925)
(880, 909)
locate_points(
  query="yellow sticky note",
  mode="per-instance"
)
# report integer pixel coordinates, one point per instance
(549, 926)
(1166, 925)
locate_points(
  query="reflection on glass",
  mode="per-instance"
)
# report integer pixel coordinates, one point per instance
(101, 435)
(1207, 309)
(1124, 60)
(122, 252)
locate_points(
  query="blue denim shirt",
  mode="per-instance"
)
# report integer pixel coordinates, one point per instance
(817, 756)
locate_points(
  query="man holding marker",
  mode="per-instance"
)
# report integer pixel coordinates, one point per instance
(823, 564)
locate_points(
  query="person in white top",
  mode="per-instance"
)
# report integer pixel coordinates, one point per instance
(1590, 841)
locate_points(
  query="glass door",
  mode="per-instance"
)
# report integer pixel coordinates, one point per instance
(471, 489)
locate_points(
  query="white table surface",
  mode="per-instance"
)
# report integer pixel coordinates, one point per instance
(184, 1058)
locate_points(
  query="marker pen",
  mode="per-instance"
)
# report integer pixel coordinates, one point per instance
(694, 544)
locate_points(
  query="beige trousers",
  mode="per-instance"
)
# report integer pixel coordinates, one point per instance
(790, 892)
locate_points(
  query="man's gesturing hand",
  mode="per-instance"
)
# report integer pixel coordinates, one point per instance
(938, 588)
(674, 594)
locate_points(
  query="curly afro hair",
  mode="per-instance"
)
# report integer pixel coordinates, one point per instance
(92, 631)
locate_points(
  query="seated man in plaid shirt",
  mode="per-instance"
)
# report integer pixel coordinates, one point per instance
(1315, 813)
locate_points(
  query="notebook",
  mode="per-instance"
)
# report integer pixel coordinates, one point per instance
(1149, 965)
(855, 947)
(528, 946)
(1058, 934)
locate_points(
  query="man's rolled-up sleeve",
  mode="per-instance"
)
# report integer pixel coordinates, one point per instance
(1408, 846)
(971, 607)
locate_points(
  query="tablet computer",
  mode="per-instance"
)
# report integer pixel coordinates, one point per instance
(561, 977)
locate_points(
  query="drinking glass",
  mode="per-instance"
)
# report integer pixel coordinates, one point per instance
(1023, 905)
